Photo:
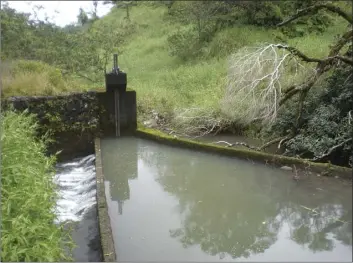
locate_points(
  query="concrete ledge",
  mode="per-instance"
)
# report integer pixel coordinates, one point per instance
(105, 230)
(325, 169)
(75, 119)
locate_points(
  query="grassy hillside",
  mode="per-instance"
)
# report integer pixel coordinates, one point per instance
(180, 68)
(23, 77)
(164, 82)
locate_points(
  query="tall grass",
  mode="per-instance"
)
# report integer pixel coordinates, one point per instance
(167, 84)
(28, 195)
(21, 78)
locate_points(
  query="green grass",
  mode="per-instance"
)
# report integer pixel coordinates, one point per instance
(35, 78)
(318, 45)
(28, 196)
(164, 82)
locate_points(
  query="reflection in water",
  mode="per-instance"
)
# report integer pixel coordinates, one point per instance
(190, 206)
(119, 175)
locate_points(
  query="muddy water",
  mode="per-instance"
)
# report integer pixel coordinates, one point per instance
(77, 206)
(169, 204)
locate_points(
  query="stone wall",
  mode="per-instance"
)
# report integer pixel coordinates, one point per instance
(75, 120)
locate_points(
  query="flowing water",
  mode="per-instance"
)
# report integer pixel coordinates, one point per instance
(170, 204)
(77, 205)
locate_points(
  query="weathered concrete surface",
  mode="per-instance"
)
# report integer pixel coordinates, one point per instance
(105, 230)
(128, 115)
(72, 120)
(273, 159)
(75, 120)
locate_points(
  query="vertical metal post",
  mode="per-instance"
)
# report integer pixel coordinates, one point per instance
(115, 62)
(117, 113)
(118, 100)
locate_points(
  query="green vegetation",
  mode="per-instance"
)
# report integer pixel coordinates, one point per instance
(24, 77)
(193, 62)
(203, 66)
(28, 195)
(326, 122)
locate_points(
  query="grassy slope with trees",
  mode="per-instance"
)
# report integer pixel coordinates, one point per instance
(177, 56)
(178, 59)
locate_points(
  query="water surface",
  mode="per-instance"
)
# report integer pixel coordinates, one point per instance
(77, 206)
(170, 204)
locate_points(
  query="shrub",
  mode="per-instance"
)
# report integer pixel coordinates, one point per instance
(184, 43)
(325, 120)
(28, 195)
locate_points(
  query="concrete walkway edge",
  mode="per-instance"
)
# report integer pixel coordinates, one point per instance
(105, 230)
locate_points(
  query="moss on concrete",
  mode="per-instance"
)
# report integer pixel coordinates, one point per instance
(105, 230)
(325, 169)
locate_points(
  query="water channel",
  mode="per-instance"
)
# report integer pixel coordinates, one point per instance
(170, 204)
(77, 206)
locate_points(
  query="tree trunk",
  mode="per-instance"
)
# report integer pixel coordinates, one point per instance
(127, 12)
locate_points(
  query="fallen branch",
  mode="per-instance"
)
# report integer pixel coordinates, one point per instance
(330, 151)
(197, 121)
(313, 210)
(238, 143)
(280, 140)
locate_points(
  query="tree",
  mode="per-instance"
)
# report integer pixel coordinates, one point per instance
(82, 17)
(122, 4)
(265, 87)
(126, 5)
(202, 14)
(17, 34)
(95, 12)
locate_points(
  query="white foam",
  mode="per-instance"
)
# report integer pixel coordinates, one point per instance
(76, 188)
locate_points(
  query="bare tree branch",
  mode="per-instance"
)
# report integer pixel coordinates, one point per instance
(238, 143)
(198, 121)
(298, 53)
(330, 151)
(303, 87)
(302, 97)
(254, 83)
(305, 58)
(342, 41)
(280, 140)
(322, 66)
(345, 59)
(314, 9)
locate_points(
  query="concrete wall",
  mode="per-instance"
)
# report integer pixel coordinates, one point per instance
(128, 115)
(76, 119)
